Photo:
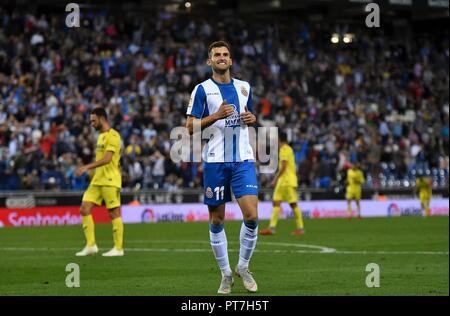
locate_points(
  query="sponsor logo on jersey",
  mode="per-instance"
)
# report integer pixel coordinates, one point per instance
(234, 119)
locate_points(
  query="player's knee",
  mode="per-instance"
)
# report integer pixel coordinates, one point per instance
(114, 213)
(216, 221)
(85, 210)
(252, 217)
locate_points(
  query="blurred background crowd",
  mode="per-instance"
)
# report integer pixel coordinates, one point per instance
(382, 99)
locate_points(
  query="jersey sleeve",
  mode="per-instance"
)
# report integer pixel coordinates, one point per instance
(197, 102)
(284, 154)
(113, 143)
(361, 178)
(250, 100)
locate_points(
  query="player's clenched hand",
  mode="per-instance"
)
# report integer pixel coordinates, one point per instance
(273, 183)
(248, 117)
(225, 110)
(80, 171)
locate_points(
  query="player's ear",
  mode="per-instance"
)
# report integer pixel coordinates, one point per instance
(208, 61)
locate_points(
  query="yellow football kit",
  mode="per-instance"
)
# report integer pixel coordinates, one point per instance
(424, 187)
(286, 187)
(355, 179)
(107, 181)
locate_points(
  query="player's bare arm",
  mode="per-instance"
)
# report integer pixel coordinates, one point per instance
(104, 161)
(280, 172)
(224, 111)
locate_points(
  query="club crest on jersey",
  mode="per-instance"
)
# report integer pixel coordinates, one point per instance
(209, 193)
(244, 91)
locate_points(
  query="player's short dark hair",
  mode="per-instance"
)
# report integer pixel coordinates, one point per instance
(218, 44)
(282, 136)
(100, 112)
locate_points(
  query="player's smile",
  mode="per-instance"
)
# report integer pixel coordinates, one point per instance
(222, 64)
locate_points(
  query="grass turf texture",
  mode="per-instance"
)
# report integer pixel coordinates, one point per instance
(176, 259)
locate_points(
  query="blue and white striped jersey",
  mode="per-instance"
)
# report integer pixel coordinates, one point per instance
(230, 142)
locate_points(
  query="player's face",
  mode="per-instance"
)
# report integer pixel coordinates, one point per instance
(220, 59)
(95, 122)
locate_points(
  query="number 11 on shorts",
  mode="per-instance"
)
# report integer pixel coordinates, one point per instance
(219, 192)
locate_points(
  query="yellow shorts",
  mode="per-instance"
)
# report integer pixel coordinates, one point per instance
(97, 194)
(285, 194)
(425, 199)
(353, 194)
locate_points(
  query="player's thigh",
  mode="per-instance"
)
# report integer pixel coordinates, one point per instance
(86, 208)
(93, 194)
(243, 179)
(216, 183)
(425, 201)
(357, 194)
(249, 207)
(424, 196)
(291, 195)
(278, 194)
(245, 188)
(111, 196)
(349, 194)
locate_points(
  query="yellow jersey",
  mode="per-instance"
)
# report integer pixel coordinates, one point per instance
(424, 186)
(109, 174)
(289, 176)
(355, 178)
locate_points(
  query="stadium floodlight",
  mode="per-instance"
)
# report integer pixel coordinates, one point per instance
(335, 38)
(187, 4)
(348, 38)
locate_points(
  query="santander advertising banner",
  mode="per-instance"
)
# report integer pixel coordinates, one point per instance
(48, 215)
(190, 212)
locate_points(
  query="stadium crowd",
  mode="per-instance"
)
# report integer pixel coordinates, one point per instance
(381, 100)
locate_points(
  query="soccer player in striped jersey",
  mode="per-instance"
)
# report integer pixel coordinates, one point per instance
(222, 107)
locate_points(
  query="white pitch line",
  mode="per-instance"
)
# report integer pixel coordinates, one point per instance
(363, 252)
(19, 249)
(295, 245)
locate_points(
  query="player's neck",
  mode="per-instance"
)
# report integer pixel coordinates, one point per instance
(222, 78)
(105, 128)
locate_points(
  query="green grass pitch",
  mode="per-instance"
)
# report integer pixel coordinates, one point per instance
(168, 259)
